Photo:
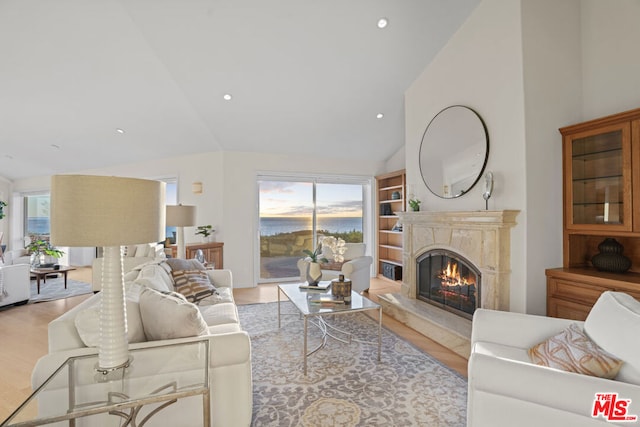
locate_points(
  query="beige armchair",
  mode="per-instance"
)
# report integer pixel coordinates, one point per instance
(356, 266)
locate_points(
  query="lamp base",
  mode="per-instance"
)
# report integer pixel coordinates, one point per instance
(107, 371)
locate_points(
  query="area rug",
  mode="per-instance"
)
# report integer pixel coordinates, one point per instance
(54, 289)
(345, 384)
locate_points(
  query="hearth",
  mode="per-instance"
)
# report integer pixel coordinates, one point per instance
(449, 281)
(481, 239)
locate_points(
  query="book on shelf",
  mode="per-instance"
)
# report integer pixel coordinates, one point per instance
(323, 285)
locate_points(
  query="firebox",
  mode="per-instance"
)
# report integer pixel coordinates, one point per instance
(448, 281)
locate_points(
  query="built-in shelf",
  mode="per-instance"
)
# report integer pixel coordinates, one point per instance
(389, 241)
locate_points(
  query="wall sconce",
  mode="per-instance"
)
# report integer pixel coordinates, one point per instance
(196, 188)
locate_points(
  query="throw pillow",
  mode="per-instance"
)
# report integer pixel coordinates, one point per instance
(168, 316)
(88, 324)
(195, 285)
(571, 350)
(613, 319)
(184, 264)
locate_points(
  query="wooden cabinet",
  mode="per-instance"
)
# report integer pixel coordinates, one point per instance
(601, 196)
(212, 252)
(390, 191)
(572, 292)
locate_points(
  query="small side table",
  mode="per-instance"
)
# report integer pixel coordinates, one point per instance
(123, 392)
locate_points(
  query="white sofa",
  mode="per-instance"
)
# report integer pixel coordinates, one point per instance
(15, 284)
(507, 389)
(356, 266)
(134, 255)
(17, 256)
(230, 353)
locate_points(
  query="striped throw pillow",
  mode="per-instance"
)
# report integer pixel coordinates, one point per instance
(195, 285)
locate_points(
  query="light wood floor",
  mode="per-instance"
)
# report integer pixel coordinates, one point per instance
(23, 335)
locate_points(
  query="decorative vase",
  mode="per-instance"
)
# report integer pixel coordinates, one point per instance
(610, 257)
(314, 273)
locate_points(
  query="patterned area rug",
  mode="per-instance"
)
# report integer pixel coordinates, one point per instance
(54, 289)
(345, 384)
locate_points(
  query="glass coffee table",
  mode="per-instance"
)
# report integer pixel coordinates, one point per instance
(301, 299)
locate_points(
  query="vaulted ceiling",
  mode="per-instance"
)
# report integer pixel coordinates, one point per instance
(305, 76)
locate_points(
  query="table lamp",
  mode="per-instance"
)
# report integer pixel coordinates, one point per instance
(181, 216)
(110, 212)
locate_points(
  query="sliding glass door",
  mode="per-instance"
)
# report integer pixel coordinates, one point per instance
(295, 214)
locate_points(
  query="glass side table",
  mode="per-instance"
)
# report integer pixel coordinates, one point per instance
(155, 378)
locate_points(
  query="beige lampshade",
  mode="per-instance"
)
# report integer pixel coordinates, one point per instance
(181, 216)
(106, 211)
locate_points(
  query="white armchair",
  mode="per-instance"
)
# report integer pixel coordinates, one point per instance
(507, 389)
(356, 266)
(15, 284)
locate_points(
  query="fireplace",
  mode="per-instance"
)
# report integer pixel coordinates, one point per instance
(449, 281)
(478, 244)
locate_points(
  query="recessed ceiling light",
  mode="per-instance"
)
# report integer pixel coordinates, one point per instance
(383, 22)
(379, 116)
(227, 97)
(120, 131)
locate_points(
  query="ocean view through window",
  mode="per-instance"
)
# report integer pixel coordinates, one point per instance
(296, 215)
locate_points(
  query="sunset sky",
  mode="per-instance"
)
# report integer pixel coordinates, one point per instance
(282, 198)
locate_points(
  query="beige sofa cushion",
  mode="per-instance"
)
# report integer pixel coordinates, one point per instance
(167, 316)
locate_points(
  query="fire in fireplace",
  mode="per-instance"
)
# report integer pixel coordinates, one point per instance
(449, 281)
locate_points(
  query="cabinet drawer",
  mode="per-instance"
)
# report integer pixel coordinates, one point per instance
(567, 309)
(578, 292)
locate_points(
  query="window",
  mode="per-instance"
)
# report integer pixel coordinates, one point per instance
(295, 214)
(37, 211)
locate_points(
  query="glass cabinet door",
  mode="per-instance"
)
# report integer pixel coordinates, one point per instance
(599, 179)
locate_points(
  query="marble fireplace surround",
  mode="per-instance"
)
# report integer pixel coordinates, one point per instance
(483, 238)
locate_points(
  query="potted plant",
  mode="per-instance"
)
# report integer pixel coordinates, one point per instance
(314, 272)
(2, 206)
(414, 204)
(205, 231)
(41, 249)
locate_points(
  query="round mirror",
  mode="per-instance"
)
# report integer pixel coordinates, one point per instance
(453, 151)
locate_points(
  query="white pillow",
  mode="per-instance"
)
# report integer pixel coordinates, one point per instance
(614, 324)
(142, 250)
(158, 274)
(88, 324)
(153, 283)
(167, 316)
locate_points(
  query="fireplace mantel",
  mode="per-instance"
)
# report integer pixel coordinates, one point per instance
(483, 238)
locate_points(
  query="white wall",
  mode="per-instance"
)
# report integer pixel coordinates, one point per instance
(229, 200)
(552, 84)
(480, 67)
(5, 193)
(611, 64)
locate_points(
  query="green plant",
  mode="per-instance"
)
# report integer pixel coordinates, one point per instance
(2, 205)
(39, 246)
(315, 254)
(414, 204)
(205, 230)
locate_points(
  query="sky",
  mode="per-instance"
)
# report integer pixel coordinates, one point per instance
(283, 198)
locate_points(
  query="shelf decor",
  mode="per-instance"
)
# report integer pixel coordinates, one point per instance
(610, 257)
